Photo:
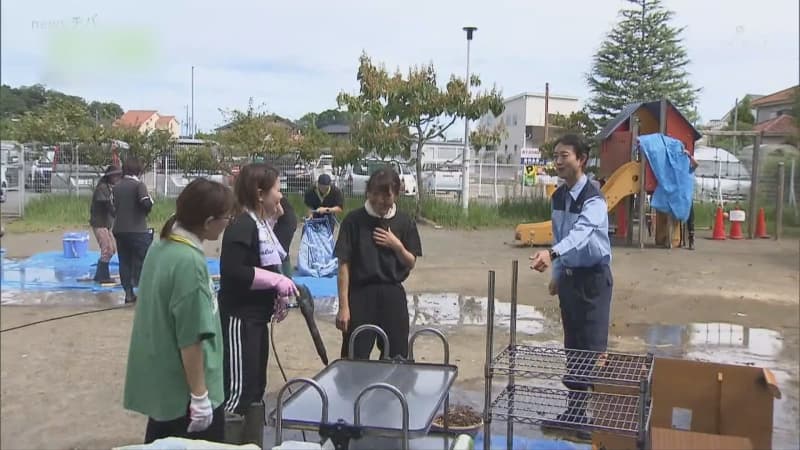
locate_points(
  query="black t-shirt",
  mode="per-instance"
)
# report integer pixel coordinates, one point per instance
(369, 263)
(286, 225)
(314, 199)
(239, 255)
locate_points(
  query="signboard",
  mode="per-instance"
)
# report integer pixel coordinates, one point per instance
(529, 175)
(530, 155)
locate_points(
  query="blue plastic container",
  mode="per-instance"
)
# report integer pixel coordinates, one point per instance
(75, 244)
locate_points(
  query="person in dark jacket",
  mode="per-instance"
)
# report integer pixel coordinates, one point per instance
(101, 219)
(252, 293)
(132, 203)
(284, 230)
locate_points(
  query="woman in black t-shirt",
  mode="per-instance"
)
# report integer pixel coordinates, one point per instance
(252, 289)
(377, 248)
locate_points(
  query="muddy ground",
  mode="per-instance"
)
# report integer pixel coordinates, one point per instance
(62, 380)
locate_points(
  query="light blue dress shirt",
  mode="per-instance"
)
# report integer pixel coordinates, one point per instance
(581, 239)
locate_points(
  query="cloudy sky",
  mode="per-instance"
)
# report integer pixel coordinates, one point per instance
(295, 56)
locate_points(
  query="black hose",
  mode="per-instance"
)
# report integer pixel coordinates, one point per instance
(283, 373)
(52, 319)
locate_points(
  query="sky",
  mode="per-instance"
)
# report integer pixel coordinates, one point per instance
(294, 57)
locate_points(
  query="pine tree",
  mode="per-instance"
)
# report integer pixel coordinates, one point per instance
(642, 59)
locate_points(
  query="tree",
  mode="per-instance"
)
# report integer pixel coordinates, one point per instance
(485, 137)
(333, 117)
(255, 131)
(396, 112)
(577, 122)
(105, 113)
(641, 59)
(196, 160)
(312, 141)
(743, 113)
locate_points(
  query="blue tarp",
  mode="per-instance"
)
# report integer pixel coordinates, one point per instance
(670, 165)
(523, 443)
(52, 271)
(316, 258)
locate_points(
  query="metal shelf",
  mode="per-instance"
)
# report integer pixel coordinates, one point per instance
(614, 413)
(605, 368)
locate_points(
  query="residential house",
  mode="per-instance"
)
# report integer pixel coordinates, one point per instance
(774, 116)
(169, 123)
(337, 131)
(147, 121)
(524, 120)
(719, 124)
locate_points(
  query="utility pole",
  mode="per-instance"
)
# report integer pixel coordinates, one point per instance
(192, 129)
(465, 154)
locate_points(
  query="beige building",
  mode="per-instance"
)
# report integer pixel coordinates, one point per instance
(147, 121)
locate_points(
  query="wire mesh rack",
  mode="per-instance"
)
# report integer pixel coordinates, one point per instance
(613, 369)
(561, 408)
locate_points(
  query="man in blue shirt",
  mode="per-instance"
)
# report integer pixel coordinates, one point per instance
(580, 262)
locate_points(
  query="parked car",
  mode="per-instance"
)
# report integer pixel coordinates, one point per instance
(353, 179)
(441, 177)
(295, 175)
(324, 165)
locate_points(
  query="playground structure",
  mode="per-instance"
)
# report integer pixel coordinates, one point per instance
(629, 178)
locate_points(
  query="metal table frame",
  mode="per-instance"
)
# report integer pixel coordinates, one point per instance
(536, 405)
(340, 433)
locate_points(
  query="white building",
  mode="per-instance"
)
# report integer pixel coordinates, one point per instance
(441, 152)
(524, 120)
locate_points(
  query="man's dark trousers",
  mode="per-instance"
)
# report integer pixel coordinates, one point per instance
(584, 296)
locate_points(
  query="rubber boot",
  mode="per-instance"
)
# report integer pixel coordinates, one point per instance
(102, 274)
(234, 429)
(130, 297)
(253, 432)
(691, 241)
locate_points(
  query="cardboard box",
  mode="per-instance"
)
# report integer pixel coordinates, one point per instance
(695, 399)
(667, 439)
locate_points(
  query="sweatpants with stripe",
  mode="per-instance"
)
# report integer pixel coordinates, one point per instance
(246, 353)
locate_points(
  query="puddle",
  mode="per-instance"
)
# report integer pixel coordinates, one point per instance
(451, 310)
(728, 343)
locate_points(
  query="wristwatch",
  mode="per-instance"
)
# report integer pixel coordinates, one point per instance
(553, 255)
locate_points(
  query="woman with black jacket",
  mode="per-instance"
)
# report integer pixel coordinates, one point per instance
(252, 289)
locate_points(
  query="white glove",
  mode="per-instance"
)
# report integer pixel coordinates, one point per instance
(281, 308)
(201, 413)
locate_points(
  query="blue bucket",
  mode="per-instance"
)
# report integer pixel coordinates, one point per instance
(75, 244)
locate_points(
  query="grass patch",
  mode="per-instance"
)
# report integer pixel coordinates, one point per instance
(56, 212)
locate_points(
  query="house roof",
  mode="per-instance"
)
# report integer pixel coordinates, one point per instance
(164, 121)
(776, 98)
(540, 95)
(783, 124)
(335, 128)
(653, 108)
(134, 118)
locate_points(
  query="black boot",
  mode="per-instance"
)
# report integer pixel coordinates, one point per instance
(102, 274)
(130, 297)
(691, 241)
(253, 429)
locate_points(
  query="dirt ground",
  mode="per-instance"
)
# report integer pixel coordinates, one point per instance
(62, 381)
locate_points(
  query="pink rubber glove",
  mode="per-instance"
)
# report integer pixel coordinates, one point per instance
(264, 279)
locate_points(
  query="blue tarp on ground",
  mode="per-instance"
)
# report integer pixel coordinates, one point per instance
(523, 443)
(315, 258)
(670, 165)
(51, 271)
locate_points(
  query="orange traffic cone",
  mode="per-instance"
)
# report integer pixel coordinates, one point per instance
(736, 230)
(719, 226)
(761, 225)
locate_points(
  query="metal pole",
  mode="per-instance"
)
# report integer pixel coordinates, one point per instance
(192, 123)
(546, 112)
(465, 154)
(495, 176)
(642, 184)
(662, 127)
(487, 371)
(754, 177)
(512, 347)
(779, 206)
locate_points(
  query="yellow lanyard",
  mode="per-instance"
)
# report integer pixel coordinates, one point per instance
(182, 240)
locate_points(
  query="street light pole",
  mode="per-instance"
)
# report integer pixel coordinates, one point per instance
(465, 153)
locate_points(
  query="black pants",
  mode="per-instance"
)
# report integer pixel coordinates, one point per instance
(384, 305)
(177, 428)
(690, 222)
(131, 250)
(246, 353)
(584, 296)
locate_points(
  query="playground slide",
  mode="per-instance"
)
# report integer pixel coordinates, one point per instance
(622, 183)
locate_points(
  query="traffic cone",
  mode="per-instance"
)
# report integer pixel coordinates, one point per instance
(761, 225)
(719, 226)
(736, 230)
